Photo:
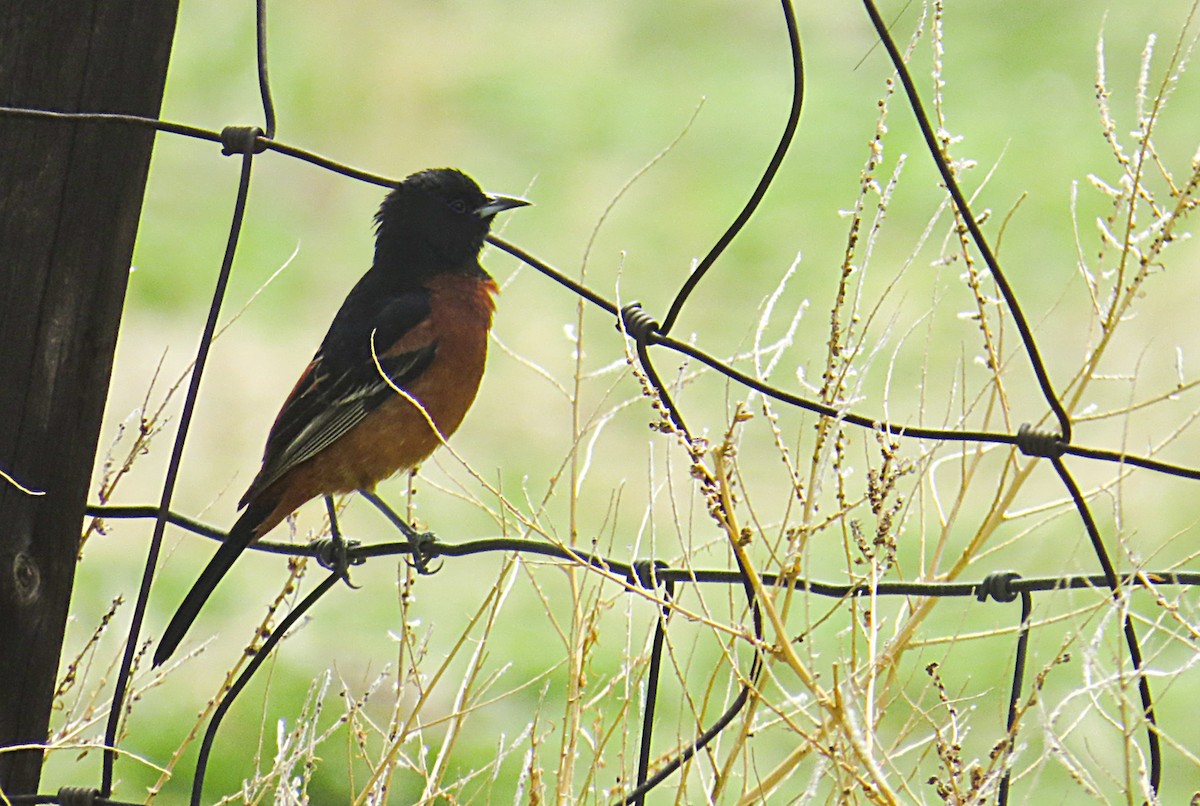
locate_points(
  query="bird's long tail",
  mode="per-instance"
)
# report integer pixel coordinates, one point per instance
(240, 536)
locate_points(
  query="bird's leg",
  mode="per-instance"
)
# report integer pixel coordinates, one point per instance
(335, 531)
(391, 514)
(423, 543)
(334, 552)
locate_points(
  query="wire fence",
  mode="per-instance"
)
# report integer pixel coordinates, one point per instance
(839, 742)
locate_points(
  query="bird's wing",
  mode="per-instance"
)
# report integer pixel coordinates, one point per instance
(343, 385)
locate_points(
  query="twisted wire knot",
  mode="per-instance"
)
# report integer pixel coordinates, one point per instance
(77, 796)
(644, 573)
(1045, 444)
(997, 586)
(242, 140)
(637, 322)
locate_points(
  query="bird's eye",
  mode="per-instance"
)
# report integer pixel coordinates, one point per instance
(458, 206)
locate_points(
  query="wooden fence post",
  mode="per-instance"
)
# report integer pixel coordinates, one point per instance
(70, 199)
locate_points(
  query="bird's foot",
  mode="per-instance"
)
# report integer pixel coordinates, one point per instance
(424, 548)
(334, 553)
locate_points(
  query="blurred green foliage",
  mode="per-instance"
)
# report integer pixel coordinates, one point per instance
(564, 102)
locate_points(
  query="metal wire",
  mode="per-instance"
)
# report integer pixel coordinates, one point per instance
(646, 334)
(264, 652)
(964, 209)
(785, 143)
(164, 506)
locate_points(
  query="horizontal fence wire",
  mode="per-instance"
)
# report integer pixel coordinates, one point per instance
(649, 573)
(652, 577)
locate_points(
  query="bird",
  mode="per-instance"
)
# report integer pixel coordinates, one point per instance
(417, 320)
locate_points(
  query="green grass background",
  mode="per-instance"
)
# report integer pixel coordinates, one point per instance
(563, 102)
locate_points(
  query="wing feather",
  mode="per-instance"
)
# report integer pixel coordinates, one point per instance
(343, 385)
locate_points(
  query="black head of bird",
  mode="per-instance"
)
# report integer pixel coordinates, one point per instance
(435, 221)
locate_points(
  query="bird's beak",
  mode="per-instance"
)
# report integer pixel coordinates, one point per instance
(497, 204)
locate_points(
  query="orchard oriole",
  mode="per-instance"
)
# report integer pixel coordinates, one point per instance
(420, 316)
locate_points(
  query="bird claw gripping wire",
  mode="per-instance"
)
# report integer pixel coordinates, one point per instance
(1044, 444)
(424, 548)
(242, 140)
(334, 552)
(998, 586)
